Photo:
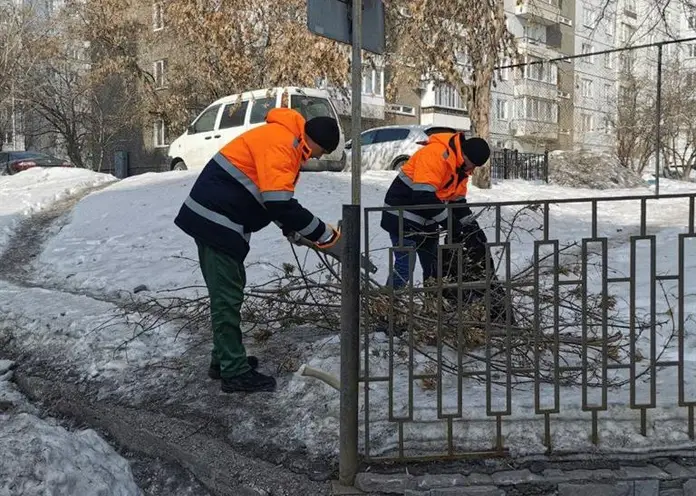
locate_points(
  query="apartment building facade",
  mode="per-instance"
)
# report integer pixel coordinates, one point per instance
(570, 103)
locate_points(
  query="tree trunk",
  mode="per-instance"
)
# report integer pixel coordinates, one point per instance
(480, 117)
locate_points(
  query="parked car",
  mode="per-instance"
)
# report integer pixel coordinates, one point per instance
(228, 117)
(13, 162)
(389, 147)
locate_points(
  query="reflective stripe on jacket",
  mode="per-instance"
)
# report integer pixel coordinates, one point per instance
(249, 184)
(432, 176)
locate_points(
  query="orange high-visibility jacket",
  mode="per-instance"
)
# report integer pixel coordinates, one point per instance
(250, 183)
(434, 175)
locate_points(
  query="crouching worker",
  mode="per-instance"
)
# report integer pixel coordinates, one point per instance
(436, 174)
(243, 188)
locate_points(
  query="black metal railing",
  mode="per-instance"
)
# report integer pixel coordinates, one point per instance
(512, 164)
(571, 322)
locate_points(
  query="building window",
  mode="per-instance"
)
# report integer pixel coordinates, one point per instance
(690, 79)
(541, 110)
(160, 134)
(586, 87)
(608, 93)
(539, 71)
(626, 33)
(626, 60)
(373, 83)
(401, 109)
(501, 109)
(587, 50)
(447, 96)
(160, 73)
(505, 72)
(609, 60)
(588, 17)
(157, 16)
(691, 50)
(586, 122)
(607, 125)
(631, 6)
(610, 24)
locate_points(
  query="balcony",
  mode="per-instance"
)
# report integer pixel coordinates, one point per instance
(536, 89)
(537, 48)
(529, 129)
(546, 12)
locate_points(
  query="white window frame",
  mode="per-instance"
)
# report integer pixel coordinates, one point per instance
(397, 108)
(587, 49)
(549, 72)
(607, 125)
(160, 72)
(447, 96)
(540, 110)
(587, 17)
(157, 16)
(373, 82)
(159, 134)
(608, 93)
(609, 29)
(586, 87)
(586, 122)
(501, 110)
(609, 60)
(505, 73)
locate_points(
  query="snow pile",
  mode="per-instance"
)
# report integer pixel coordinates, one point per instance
(39, 457)
(584, 169)
(32, 190)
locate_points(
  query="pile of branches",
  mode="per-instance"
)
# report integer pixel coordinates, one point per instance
(516, 326)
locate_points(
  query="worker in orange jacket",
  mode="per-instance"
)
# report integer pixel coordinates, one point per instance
(436, 175)
(247, 185)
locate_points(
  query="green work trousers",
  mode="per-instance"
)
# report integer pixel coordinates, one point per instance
(225, 279)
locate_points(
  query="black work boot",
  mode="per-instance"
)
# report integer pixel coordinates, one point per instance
(249, 382)
(214, 369)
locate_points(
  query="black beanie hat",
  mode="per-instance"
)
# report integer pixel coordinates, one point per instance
(476, 150)
(324, 132)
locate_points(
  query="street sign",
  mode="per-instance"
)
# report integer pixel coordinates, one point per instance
(333, 19)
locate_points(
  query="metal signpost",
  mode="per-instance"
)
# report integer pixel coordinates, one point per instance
(342, 20)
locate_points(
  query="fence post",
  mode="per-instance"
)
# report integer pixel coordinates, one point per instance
(517, 164)
(505, 163)
(546, 166)
(350, 345)
(658, 129)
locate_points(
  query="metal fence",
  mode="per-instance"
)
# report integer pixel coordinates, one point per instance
(581, 307)
(636, 104)
(513, 164)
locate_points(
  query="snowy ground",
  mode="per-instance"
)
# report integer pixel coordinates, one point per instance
(123, 236)
(40, 457)
(24, 194)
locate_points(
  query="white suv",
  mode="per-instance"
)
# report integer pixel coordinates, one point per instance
(228, 117)
(389, 147)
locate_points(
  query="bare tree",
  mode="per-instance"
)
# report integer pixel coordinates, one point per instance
(20, 30)
(459, 42)
(232, 46)
(678, 145)
(72, 95)
(634, 121)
